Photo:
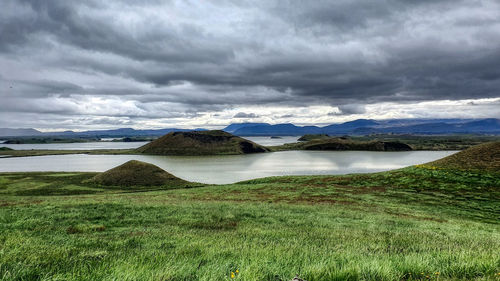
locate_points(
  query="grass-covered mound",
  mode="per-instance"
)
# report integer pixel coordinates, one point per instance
(3, 148)
(137, 173)
(483, 157)
(346, 144)
(201, 143)
(310, 137)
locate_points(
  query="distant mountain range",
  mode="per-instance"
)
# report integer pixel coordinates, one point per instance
(367, 127)
(123, 132)
(7, 132)
(489, 126)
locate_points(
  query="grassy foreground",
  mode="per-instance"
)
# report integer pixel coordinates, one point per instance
(418, 223)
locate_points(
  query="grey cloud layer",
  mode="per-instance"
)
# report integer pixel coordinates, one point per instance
(199, 56)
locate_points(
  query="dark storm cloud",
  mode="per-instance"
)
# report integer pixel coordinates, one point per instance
(348, 109)
(201, 56)
(245, 115)
(66, 22)
(39, 88)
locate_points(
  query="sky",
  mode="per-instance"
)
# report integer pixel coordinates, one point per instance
(93, 64)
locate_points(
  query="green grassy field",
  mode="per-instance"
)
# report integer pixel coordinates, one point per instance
(417, 223)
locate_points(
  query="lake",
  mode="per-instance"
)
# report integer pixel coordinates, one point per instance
(234, 168)
(267, 141)
(76, 145)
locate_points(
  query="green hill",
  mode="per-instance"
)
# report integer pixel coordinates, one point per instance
(137, 173)
(483, 157)
(310, 137)
(201, 143)
(345, 144)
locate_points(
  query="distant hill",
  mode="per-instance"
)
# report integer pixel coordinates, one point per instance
(137, 173)
(484, 126)
(349, 127)
(489, 126)
(234, 127)
(201, 143)
(7, 132)
(276, 130)
(115, 133)
(314, 137)
(346, 144)
(123, 132)
(367, 127)
(483, 157)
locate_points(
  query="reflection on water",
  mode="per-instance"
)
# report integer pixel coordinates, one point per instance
(268, 141)
(234, 168)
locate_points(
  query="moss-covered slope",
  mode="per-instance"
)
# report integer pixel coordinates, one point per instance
(311, 137)
(137, 173)
(483, 157)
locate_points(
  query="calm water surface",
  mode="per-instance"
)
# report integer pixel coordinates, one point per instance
(125, 145)
(268, 141)
(234, 168)
(76, 145)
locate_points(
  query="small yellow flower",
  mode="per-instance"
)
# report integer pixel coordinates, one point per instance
(232, 274)
(437, 273)
(237, 271)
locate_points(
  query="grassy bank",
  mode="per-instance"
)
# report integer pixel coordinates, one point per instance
(450, 142)
(446, 142)
(43, 152)
(418, 223)
(45, 140)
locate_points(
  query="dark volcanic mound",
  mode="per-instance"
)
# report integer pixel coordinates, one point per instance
(483, 157)
(395, 146)
(201, 143)
(341, 144)
(310, 137)
(137, 173)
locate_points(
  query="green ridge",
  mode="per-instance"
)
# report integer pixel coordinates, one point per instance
(200, 143)
(485, 157)
(137, 173)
